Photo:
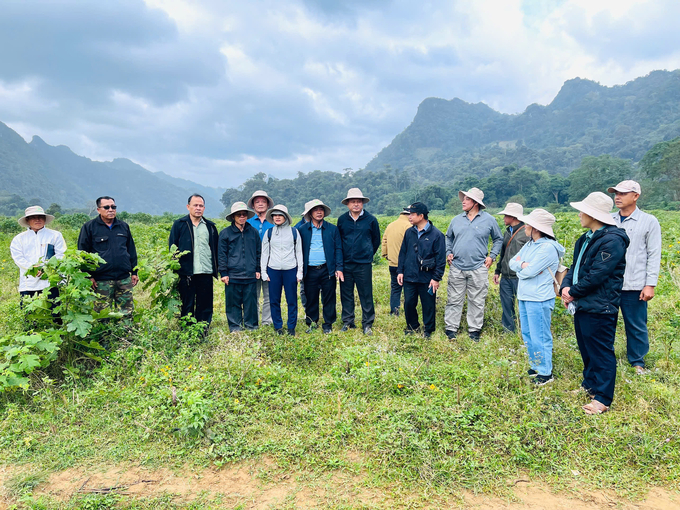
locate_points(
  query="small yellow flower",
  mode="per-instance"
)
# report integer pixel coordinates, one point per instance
(367, 363)
(433, 387)
(236, 401)
(400, 386)
(201, 378)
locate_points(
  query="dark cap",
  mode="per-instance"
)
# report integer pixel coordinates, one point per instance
(418, 208)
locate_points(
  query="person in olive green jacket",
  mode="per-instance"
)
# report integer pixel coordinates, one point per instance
(391, 244)
(513, 240)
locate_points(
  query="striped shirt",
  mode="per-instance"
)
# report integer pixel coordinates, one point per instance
(643, 257)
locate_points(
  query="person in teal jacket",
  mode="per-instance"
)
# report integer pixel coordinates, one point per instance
(535, 265)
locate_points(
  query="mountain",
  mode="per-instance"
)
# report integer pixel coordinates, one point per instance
(40, 172)
(452, 138)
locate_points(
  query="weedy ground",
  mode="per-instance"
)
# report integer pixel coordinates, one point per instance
(431, 418)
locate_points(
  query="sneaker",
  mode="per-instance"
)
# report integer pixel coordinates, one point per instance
(640, 370)
(311, 328)
(427, 334)
(532, 373)
(291, 332)
(279, 331)
(474, 335)
(450, 334)
(327, 330)
(347, 327)
(541, 380)
(395, 312)
(368, 331)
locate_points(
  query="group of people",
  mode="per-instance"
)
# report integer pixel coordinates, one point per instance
(262, 256)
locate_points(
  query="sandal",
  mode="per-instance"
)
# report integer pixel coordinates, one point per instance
(595, 407)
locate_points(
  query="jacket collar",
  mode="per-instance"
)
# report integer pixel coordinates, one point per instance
(101, 221)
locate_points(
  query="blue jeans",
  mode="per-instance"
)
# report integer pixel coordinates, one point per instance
(285, 280)
(634, 313)
(534, 319)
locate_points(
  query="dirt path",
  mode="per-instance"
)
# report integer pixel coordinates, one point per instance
(263, 486)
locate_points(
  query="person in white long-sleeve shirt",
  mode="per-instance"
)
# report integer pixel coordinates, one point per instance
(34, 246)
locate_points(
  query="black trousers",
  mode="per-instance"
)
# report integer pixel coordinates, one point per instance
(361, 276)
(241, 305)
(395, 290)
(508, 294)
(317, 281)
(413, 291)
(196, 292)
(595, 334)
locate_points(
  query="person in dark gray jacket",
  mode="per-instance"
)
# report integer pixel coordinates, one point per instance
(238, 257)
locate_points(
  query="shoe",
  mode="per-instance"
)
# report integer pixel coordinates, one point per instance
(291, 332)
(368, 331)
(427, 335)
(347, 327)
(532, 373)
(311, 328)
(541, 380)
(450, 334)
(279, 331)
(640, 370)
(327, 330)
(474, 335)
(395, 312)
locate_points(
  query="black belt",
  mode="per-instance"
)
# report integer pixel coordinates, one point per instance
(322, 266)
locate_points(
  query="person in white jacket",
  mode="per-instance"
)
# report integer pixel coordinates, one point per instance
(281, 264)
(34, 246)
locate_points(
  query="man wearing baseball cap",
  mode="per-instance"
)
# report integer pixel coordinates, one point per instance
(643, 260)
(421, 266)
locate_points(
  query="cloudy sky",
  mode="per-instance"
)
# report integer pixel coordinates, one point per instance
(218, 90)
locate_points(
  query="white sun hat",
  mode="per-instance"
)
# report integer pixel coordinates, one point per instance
(238, 207)
(34, 210)
(596, 205)
(541, 220)
(311, 205)
(281, 209)
(512, 209)
(355, 193)
(475, 194)
(263, 194)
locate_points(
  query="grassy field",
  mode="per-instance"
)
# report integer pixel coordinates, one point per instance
(403, 415)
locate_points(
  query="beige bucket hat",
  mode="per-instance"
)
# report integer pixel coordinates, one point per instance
(512, 209)
(238, 207)
(355, 193)
(280, 209)
(541, 220)
(311, 205)
(260, 193)
(475, 194)
(626, 187)
(597, 205)
(35, 210)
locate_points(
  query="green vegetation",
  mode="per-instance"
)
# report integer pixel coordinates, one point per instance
(400, 414)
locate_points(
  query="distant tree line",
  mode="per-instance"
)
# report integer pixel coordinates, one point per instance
(392, 189)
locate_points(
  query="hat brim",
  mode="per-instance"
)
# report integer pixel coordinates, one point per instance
(270, 212)
(48, 219)
(621, 190)
(270, 201)
(509, 213)
(307, 214)
(546, 229)
(230, 216)
(462, 195)
(345, 201)
(600, 216)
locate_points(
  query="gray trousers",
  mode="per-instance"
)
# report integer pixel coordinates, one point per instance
(265, 311)
(475, 284)
(508, 293)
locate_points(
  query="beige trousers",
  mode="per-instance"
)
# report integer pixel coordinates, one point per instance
(476, 284)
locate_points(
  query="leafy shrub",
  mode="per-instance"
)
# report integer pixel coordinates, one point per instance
(75, 220)
(10, 226)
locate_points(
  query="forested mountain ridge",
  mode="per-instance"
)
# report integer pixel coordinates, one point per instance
(44, 174)
(452, 138)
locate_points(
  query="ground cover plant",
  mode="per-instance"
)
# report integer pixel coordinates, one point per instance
(421, 415)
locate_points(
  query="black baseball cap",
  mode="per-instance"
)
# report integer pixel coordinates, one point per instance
(418, 208)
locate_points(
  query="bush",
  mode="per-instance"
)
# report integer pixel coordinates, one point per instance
(74, 221)
(10, 226)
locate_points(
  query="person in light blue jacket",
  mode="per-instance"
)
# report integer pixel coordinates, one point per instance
(535, 265)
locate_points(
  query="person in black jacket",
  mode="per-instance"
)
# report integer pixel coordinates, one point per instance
(111, 239)
(422, 262)
(592, 291)
(238, 260)
(198, 236)
(322, 264)
(360, 235)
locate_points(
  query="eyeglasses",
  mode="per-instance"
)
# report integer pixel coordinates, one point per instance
(107, 207)
(34, 218)
(241, 213)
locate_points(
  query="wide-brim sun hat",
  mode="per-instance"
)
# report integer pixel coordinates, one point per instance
(626, 187)
(311, 205)
(475, 194)
(355, 193)
(281, 209)
(597, 205)
(35, 210)
(238, 207)
(512, 209)
(540, 219)
(263, 194)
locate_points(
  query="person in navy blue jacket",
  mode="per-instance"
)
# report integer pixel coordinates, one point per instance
(361, 238)
(422, 262)
(592, 290)
(322, 264)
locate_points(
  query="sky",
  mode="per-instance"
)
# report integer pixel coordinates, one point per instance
(216, 90)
